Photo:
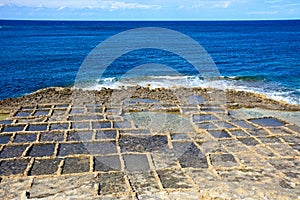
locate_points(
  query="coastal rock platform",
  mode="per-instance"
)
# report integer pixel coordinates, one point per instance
(139, 143)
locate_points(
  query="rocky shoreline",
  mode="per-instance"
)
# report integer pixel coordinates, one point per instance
(231, 98)
(139, 143)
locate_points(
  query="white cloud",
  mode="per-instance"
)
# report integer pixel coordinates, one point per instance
(274, 1)
(292, 4)
(213, 4)
(227, 4)
(61, 8)
(222, 4)
(78, 4)
(263, 13)
(281, 3)
(122, 5)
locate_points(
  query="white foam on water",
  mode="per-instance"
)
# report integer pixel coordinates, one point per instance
(154, 82)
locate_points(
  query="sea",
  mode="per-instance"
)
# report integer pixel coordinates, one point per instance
(257, 56)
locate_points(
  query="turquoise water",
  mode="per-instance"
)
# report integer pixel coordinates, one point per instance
(260, 56)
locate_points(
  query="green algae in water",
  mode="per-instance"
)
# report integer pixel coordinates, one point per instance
(161, 121)
(3, 116)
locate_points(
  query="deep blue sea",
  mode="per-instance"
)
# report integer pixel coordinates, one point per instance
(259, 56)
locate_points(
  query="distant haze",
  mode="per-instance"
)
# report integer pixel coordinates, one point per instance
(150, 10)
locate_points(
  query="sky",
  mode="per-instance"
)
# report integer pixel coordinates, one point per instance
(150, 9)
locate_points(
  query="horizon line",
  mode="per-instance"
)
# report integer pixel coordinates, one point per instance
(138, 20)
